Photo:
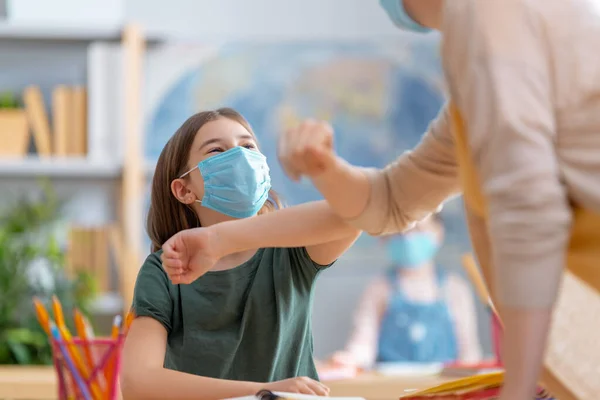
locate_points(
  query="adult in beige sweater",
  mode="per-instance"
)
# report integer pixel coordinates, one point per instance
(520, 137)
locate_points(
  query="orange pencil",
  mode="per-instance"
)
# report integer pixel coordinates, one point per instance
(59, 317)
(128, 321)
(42, 315)
(72, 347)
(81, 331)
(110, 365)
(116, 326)
(87, 335)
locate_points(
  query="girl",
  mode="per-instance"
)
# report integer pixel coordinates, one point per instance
(520, 137)
(415, 313)
(244, 325)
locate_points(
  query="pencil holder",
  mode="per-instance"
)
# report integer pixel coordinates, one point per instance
(87, 369)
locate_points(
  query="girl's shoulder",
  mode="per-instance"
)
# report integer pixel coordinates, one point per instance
(295, 256)
(153, 292)
(292, 262)
(153, 265)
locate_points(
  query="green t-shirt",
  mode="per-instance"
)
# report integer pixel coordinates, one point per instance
(250, 323)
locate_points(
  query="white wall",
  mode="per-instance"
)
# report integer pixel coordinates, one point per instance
(225, 19)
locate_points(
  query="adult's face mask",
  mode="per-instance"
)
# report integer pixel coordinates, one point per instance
(397, 13)
(413, 250)
(236, 182)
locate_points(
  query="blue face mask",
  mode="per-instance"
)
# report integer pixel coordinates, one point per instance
(236, 182)
(412, 250)
(395, 10)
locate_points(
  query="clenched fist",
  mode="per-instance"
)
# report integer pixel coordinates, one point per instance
(307, 149)
(189, 254)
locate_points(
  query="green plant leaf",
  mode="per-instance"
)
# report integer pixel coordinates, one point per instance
(26, 336)
(8, 100)
(5, 354)
(26, 234)
(20, 352)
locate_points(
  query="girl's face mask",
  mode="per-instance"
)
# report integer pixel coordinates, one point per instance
(412, 250)
(236, 182)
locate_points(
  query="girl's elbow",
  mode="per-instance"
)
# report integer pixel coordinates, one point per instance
(133, 385)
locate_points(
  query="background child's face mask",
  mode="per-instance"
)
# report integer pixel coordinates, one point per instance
(236, 182)
(412, 250)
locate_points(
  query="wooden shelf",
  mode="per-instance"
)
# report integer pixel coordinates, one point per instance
(57, 167)
(13, 30)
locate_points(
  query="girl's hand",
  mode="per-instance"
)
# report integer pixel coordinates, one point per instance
(189, 254)
(301, 385)
(307, 149)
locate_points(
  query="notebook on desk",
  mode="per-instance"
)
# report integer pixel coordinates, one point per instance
(268, 395)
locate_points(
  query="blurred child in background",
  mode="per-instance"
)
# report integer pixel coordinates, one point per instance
(416, 312)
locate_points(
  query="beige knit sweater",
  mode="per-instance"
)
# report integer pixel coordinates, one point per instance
(526, 76)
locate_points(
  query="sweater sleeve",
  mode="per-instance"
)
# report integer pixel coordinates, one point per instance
(413, 186)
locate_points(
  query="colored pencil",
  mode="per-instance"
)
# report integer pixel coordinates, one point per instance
(82, 333)
(59, 317)
(117, 321)
(128, 321)
(89, 333)
(72, 347)
(83, 389)
(42, 315)
(111, 364)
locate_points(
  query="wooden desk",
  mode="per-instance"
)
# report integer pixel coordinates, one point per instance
(381, 387)
(27, 383)
(39, 383)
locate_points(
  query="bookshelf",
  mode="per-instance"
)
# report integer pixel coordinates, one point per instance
(103, 187)
(60, 168)
(12, 30)
(62, 32)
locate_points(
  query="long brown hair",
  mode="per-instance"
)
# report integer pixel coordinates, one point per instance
(167, 215)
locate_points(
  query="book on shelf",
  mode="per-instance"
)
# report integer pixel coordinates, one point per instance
(89, 251)
(38, 119)
(61, 103)
(69, 118)
(79, 121)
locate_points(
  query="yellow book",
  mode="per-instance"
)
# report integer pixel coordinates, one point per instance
(462, 385)
(79, 121)
(61, 104)
(38, 119)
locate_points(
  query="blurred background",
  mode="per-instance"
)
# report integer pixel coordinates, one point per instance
(91, 90)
